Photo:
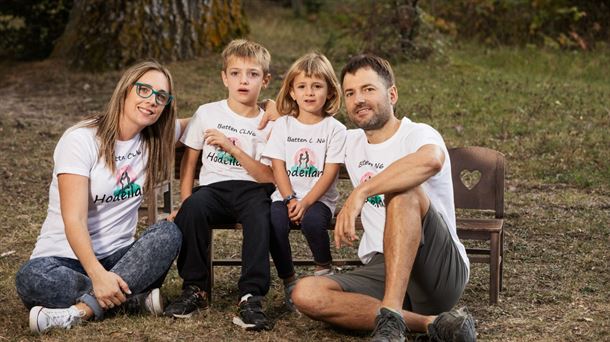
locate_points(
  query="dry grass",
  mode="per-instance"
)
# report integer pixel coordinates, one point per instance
(557, 201)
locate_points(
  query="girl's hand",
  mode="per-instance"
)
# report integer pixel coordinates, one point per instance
(172, 215)
(215, 138)
(295, 214)
(109, 289)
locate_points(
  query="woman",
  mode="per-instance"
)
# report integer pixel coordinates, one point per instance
(86, 260)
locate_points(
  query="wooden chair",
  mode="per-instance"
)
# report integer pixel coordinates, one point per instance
(478, 183)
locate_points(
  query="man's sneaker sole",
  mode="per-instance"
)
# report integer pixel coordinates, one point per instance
(34, 312)
(249, 327)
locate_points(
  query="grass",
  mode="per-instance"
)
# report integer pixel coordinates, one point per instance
(547, 111)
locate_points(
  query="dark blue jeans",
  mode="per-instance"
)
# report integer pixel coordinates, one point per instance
(57, 282)
(314, 225)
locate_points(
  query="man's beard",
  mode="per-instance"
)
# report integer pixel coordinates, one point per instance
(379, 118)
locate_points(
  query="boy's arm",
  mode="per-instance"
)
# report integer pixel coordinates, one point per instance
(259, 171)
(403, 174)
(187, 172)
(187, 176)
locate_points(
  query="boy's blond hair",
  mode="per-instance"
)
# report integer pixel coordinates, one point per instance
(313, 64)
(242, 48)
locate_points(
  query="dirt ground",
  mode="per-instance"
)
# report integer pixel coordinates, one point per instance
(557, 258)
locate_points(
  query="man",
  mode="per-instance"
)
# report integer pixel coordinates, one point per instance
(415, 266)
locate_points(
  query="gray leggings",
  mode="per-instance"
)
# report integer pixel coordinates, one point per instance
(58, 282)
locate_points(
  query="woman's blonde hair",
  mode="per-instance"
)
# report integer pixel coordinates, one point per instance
(158, 138)
(312, 65)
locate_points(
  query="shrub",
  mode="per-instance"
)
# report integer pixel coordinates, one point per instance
(558, 23)
(29, 28)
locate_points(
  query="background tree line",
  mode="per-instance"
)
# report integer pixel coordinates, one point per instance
(97, 35)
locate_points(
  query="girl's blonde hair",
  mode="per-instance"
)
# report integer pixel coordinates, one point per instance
(158, 138)
(312, 65)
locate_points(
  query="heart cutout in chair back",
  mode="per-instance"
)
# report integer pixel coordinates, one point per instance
(469, 178)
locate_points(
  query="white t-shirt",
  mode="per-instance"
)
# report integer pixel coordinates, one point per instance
(363, 161)
(114, 197)
(219, 165)
(306, 149)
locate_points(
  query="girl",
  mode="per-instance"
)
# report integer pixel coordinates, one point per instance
(86, 260)
(305, 149)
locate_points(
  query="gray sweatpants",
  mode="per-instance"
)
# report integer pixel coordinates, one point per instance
(437, 279)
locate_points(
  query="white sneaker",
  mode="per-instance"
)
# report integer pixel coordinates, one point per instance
(43, 319)
(154, 302)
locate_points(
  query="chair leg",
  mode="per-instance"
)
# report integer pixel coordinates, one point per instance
(211, 261)
(494, 264)
(152, 212)
(501, 260)
(167, 198)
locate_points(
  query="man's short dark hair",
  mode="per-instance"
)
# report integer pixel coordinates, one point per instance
(379, 65)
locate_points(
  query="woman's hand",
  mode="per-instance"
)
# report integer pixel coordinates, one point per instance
(109, 289)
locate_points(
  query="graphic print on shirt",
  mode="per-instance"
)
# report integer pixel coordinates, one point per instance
(304, 164)
(126, 185)
(374, 200)
(223, 157)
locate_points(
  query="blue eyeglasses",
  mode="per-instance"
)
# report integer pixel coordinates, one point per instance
(162, 98)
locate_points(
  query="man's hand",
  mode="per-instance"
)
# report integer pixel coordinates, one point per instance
(109, 289)
(271, 114)
(215, 138)
(345, 226)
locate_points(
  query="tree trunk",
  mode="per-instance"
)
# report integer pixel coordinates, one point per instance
(408, 23)
(110, 34)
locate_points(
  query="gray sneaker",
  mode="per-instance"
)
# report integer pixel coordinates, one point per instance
(389, 327)
(43, 319)
(288, 295)
(454, 326)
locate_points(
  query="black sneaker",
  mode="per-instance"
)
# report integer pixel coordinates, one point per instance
(455, 326)
(251, 315)
(145, 303)
(190, 302)
(389, 327)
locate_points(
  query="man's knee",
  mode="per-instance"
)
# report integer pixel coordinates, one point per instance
(311, 294)
(413, 199)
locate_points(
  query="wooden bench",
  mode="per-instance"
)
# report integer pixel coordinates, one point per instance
(478, 181)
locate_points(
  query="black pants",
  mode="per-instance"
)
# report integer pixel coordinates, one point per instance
(244, 202)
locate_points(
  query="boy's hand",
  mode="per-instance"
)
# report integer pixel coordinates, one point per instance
(215, 138)
(271, 114)
(172, 215)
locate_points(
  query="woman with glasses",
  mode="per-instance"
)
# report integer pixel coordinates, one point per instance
(86, 260)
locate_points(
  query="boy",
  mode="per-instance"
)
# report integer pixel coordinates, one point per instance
(234, 187)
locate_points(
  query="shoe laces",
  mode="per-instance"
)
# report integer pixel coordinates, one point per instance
(65, 318)
(447, 323)
(191, 295)
(252, 305)
(388, 325)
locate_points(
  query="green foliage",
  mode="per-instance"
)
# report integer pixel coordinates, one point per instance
(385, 27)
(554, 23)
(29, 28)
